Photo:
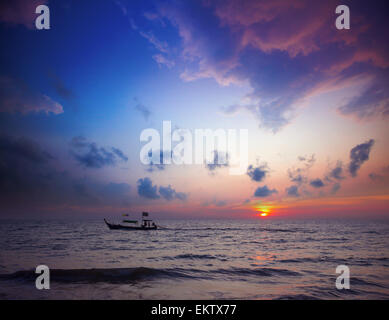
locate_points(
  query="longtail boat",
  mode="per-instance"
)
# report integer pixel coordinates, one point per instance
(146, 224)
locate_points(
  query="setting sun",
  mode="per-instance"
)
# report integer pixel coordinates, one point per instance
(263, 210)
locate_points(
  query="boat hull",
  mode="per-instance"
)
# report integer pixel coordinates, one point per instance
(112, 226)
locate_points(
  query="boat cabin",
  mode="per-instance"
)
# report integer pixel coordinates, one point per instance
(147, 223)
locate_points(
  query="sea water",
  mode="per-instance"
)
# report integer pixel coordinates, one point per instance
(195, 259)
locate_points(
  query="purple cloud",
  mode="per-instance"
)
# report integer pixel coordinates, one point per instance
(358, 155)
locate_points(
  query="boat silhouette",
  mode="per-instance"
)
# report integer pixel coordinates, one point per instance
(147, 224)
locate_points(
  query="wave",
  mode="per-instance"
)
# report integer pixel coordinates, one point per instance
(362, 282)
(265, 272)
(110, 275)
(128, 275)
(196, 257)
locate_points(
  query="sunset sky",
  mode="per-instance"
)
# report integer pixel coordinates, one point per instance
(74, 100)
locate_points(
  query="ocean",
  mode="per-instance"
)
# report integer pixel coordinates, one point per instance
(195, 259)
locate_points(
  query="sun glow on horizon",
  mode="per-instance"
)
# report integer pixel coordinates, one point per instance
(263, 210)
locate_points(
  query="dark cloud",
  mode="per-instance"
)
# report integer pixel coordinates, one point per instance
(263, 192)
(376, 177)
(19, 12)
(181, 196)
(296, 176)
(17, 97)
(220, 160)
(317, 183)
(337, 172)
(142, 109)
(23, 148)
(168, 193)
(62, 90)
(257, 174)
(358, 155)
(373, 102)
(293, 191)
(22, 166)
(157, 166)
(215, 202)
(119, 153)
(30, 180)
(299, 175)
(90, 155)
(308, 161)
(146, 189)
(335, 188)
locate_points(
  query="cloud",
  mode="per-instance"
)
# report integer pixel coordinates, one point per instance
(20, 12)
(31, 179)
(334, 176)
(215, 202)
(335, 188)
(317, 183)
(163, 61)
(90, 155)
(119, 153)
(163, 57)
(143, 110)
(146, 189)
(358, 155)
(168, 193)
(22, 166)
(296, 176)
(23, 148)
(157, 166)
(161, 46)
(293, 191)
(220, 160)
(60, 88)
(257, 174)
(263, 192)
(379, 177)
(286, 51)
(376, 177)
(299, 175)
(307, 160)
(336, 173)
(372, 102)
(17, 97)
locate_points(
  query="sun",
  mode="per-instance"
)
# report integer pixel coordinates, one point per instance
(263, 211)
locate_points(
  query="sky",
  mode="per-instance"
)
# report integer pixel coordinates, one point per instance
(75, 99)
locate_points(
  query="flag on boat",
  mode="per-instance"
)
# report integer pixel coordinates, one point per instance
(145, 214)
